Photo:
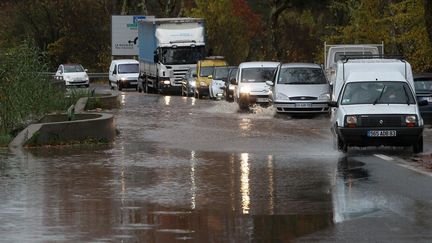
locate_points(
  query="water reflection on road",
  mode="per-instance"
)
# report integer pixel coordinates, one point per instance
(159, 182)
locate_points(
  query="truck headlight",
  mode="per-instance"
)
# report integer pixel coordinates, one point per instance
(166, 82)
(245, 89)
(280, 96)
(410, 121)
(123, 79)
(351, 121)
(192, 83)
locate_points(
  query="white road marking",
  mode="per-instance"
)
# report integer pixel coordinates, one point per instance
(384, 157)
(403, 163)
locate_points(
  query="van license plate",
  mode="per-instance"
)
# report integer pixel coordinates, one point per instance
(378, 133)
(262, 100)
(303, 105)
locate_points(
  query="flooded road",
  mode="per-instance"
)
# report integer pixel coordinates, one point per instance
(186, 170)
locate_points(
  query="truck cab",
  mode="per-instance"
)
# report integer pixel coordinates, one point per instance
(168, 48)
(376, 105)
(204, 77)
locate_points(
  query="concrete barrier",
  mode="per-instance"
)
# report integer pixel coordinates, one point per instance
(56, 129)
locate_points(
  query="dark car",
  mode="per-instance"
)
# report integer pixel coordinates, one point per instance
(229, 86)
(423, 89)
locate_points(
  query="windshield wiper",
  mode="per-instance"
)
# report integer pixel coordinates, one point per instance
(379, 97)
(406, 95)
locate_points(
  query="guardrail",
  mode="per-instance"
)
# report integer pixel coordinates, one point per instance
(91, 75)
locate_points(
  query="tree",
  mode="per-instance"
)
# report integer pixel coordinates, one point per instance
(428, 17)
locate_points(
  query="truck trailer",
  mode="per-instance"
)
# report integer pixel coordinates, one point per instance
(168, 47)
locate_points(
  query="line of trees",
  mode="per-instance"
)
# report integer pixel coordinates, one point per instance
(285, 30)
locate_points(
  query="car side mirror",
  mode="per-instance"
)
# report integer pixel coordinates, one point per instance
(233, 81)
(86, 70)
(332, 103)
(115, 71)
(155, 58)
(269, 83)
(423, 103)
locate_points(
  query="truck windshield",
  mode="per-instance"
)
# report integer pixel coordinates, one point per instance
(182, 55)
(220, 73)
(256, 75)
(377, 93)
(128, 68)
(301, 76)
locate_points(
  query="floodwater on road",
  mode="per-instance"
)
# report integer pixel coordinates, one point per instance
(187, 170)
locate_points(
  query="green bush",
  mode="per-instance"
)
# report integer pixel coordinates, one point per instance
(26, 94)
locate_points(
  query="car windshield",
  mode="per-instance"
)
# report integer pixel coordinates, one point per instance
(377, 93)
(255, 75)
(182, 55)
(423, 85)
(73, 69)
(301, 76)
(128, 68)
(206, 71)
(220, 73)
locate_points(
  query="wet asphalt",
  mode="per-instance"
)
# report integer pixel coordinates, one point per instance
(188, 170)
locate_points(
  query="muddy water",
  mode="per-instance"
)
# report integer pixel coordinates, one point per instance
(181, 170)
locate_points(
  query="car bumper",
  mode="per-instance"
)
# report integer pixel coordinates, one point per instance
(301, 107)
(129, 83)
(254, 99)
(203, 90)
(405, 136)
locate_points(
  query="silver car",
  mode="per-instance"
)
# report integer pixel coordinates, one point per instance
(300, 88)
(189, 82)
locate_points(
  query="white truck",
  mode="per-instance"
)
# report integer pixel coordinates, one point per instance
(334, 53)
(376, 104)
(168, 47)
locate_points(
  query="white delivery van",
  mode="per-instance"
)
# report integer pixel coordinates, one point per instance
(376, 105)
(123, 74)
(251, 83)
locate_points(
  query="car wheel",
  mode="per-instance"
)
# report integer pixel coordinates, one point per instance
(341, 145)
(418, 147)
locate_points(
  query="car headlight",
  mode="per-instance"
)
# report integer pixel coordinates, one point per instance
(325, 96)
(231, 87)
(245, 89)
(351, 121)
(123, 79)
(410, 121)
(280, 96)
(166, 82)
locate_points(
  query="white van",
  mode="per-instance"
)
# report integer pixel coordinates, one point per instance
(123, 74)
(251, 83)
(376, 105)
(300, 88)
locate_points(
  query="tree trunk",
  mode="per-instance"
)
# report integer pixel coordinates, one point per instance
(428, 17)
(277, 7)
(124, 8)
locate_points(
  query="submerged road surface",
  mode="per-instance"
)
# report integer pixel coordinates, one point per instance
(187, 170)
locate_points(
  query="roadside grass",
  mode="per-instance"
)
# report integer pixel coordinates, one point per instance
(25, 94)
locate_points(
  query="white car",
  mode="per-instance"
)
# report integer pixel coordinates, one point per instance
(73, 75)
(124, 73)
(300, 88)
(375, 104)
(217, 84)
(251, 83)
